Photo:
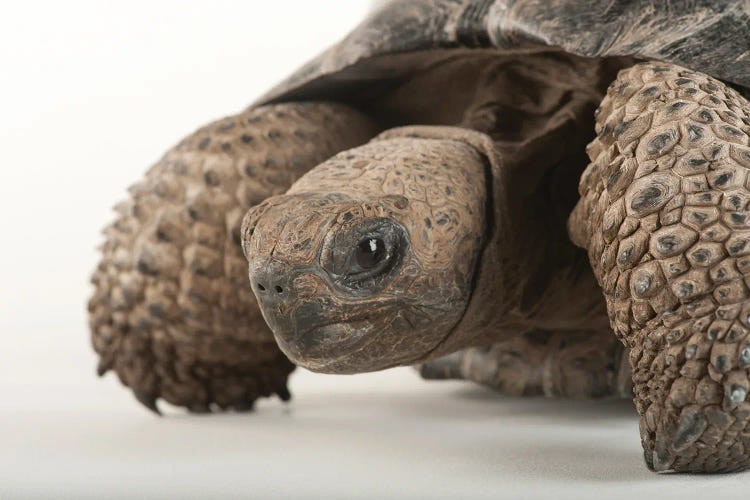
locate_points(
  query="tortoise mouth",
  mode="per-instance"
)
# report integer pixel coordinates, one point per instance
(320, 345)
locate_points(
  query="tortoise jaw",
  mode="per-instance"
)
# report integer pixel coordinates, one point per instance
(312, 331)
(324, 337)
(324, 345)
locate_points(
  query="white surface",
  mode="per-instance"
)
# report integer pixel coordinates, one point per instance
(90, 95)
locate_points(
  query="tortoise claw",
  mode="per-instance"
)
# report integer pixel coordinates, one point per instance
(284, 393)
(444, 368)
(147, 400)
(103, 367)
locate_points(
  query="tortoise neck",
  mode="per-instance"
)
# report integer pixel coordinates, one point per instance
(529, 276)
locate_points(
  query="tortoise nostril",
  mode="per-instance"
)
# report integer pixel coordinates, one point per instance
(262, 287)
(270, 281)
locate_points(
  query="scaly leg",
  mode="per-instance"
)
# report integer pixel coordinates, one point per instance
(172, 311)
(577, 365)
(664, 216)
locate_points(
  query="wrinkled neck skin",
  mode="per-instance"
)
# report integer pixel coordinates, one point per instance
(530, 275)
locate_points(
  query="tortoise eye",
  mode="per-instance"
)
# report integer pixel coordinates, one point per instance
(369, 253)
(362, 254)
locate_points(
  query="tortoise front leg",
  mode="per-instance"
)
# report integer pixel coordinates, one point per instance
(578, 365)
(664, 215)
(172, 311)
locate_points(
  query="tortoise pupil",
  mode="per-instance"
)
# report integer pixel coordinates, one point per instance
(370, 252)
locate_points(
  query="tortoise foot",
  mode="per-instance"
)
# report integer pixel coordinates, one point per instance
(578, 365)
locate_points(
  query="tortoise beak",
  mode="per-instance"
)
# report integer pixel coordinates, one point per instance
(303, 326)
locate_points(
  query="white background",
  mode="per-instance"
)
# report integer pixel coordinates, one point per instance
(93, 92)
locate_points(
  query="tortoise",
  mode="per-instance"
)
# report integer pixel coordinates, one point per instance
(549, 198)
